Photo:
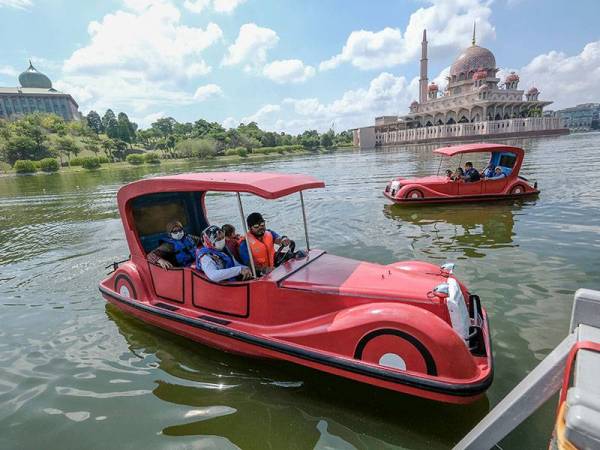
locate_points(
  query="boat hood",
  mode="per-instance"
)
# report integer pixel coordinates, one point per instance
(344, 276)
(430, 180)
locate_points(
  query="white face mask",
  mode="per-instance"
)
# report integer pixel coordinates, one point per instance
(177, 236)
(220, 245)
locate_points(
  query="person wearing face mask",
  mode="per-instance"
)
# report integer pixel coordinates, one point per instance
(178, 249)
(215, 259)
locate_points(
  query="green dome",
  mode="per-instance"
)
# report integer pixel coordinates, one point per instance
(31, 78)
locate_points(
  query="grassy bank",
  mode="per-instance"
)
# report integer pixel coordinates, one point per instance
(218, 160)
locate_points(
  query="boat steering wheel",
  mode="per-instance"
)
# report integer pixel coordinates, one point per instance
(284, 253)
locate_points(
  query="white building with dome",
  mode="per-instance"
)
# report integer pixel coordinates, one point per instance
(36, 94)
(473, 104)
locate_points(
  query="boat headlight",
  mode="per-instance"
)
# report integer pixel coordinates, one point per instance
(448, 267)
(457, 309)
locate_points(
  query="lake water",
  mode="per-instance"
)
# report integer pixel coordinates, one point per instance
(76, 373)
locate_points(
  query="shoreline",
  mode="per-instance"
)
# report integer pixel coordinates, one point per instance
(219, 160)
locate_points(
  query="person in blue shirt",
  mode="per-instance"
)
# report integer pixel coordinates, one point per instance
(176, 249)
(498, 174)
(215, 260)
(488, 172)
(471, 174)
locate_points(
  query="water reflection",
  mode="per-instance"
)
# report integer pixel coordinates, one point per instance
(465, 230)
(233, 396)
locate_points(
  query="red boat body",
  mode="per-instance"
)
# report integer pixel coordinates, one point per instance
(440, 189)
(386, 325)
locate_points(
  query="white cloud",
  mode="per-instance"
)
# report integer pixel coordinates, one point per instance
(566, 80)
(226, 6)
(386, 94)
(220, 6)
(207, 91)
(449, 26)
(251, 46)
(17, 4)
(262, 113)
(288, 71)
(196, 6)
(146, 121)
(127, 93)
(138, 57)
(230, 122)
(8, 71)
(148, 39)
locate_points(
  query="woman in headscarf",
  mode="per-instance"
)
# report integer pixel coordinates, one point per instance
(178, 249)
(215, 259)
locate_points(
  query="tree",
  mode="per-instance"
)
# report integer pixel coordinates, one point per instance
(66, 146)
(164, 126)
(119, 148)
(112, 128)
(310, 139)
(94, 122)
(327, 139)
(20, 147)
(92, 144)
(108, 116)
(54, 124)
(125, 130)
(108, 147)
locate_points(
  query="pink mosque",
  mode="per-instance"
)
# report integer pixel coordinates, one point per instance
(474, 104)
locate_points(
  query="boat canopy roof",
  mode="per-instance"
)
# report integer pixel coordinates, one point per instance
(481, 147)
(264, 184)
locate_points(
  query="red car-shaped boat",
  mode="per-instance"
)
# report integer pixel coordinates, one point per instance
(441, 189)
(409, 326)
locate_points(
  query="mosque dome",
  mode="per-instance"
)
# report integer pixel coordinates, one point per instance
(472, 59)
(31, 78)
(511, 78)
(533, 91)
(433, 87)
(480, 74)
(414, 103)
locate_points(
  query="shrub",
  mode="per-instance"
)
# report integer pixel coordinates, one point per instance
(24, 166)
(151, 158)
(135, 159)
(77, 161)
(90, 163)
(243, 152)
(196, 148)
(4, 167)
(103, 160)
(231, 152)
(49, 165)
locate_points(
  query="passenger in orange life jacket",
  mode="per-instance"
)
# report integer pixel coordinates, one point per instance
(262, 243)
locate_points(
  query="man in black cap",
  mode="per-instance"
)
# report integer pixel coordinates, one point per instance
(262, 244)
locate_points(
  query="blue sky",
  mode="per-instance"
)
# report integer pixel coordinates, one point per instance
(289, 65)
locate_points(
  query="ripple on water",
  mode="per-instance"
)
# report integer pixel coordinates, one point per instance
(74, 360)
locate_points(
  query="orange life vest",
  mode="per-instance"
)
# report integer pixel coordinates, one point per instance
(263, 251)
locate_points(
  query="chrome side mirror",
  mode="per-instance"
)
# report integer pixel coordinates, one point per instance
(448, 267)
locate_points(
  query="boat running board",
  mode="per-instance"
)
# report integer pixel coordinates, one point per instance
(215, 320)
(166, 306)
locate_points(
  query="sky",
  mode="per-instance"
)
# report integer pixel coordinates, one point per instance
(290, 65)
